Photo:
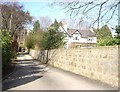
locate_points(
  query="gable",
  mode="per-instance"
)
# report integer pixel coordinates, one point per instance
(77, 33)
(83, 33)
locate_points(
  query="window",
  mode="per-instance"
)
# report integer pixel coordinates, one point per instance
(76, 38)
(89, 39)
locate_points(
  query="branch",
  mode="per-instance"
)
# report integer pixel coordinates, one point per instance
(99, 14)
(115, 6)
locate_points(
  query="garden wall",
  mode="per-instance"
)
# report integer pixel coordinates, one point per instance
(99, 63)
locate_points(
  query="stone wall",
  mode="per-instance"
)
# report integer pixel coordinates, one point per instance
(99, 63)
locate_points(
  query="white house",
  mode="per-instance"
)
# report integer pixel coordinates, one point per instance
(78, 38)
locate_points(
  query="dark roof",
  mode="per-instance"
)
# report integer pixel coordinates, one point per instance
(84, 33)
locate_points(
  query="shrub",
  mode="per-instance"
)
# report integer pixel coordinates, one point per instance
(6, 48)
(30, 41)
(110, 42)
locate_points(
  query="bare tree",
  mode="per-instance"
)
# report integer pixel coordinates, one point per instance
(14, 18)
(45, 22)
(104, 10)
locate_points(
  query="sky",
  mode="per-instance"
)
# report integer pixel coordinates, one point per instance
(38, 9)
(44, 8)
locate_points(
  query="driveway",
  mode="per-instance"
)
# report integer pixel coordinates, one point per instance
(31, 75)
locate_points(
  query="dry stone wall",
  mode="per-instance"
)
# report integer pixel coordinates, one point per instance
(99, 63)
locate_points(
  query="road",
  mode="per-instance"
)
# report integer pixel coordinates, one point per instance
(31, 75)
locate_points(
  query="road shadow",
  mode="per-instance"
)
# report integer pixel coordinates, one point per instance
(25, 72)
(19, 81)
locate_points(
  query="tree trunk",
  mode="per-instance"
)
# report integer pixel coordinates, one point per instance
(10, 23)
(47, 57)
(28, 51)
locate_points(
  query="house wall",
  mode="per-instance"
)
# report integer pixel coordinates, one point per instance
(94, 40)
(99, 63)
(70, 40)
(81, 39)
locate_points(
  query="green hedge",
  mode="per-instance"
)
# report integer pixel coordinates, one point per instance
(110, 42)
(6, 48)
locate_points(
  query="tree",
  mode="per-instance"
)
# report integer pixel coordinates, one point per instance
(106, 39)
(14, 18)
(37, 33)
(52, 38)
(104, 35)
(117, 37)
(45, 22)
(117, 30)
(6, 50)
(30, 41)
(83, 9)
(36, 26)
(38, 38)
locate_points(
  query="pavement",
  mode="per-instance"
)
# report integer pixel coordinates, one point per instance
(30, 74)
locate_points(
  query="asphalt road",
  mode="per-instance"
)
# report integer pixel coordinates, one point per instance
(31, 75)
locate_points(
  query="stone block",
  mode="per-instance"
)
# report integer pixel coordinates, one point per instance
(97, 63)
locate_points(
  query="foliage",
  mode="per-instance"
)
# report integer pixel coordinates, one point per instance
(14, 18)
(112, 42)
(52, 38)
(117, 31)
(104, 33)
(38, 36)
(117, 37)
(37, 32)
(36, 26)
(34, 38)
(104, 36)
(30, 41)
(6, 48)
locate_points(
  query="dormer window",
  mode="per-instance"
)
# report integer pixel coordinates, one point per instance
(76, 38)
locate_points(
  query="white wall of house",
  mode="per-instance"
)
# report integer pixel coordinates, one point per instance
(92, 40)
(76, 37)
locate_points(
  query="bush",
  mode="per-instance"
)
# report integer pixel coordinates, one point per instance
(30, 41)
(110, 42)
(6, 48)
